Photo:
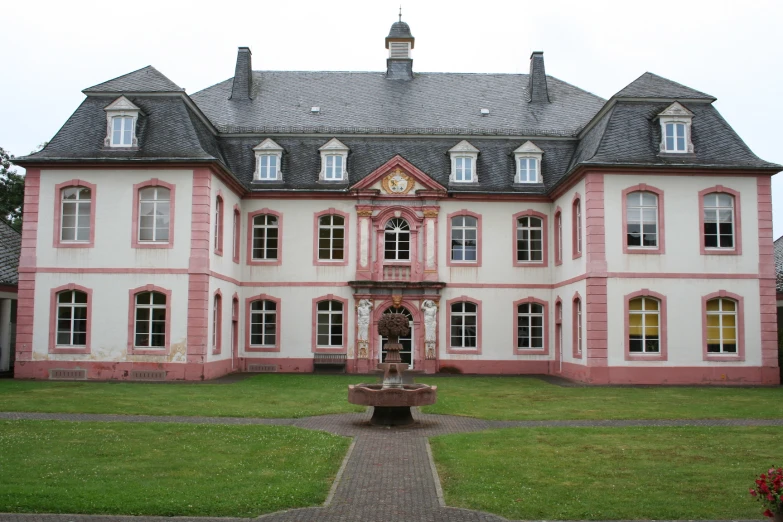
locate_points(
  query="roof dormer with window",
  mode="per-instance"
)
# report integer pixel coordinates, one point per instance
(676, 130)
(464, 158)
(334, 162)
(269, 158)
(528, 163)
(121, 119)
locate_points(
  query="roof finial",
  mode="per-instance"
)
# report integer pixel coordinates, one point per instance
(400, 12)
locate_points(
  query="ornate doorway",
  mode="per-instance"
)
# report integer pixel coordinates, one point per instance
(406, 354)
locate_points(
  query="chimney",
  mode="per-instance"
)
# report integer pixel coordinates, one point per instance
(537, 84)
(399, 64)
(242, 89)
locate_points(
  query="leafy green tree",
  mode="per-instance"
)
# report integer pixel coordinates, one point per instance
(11, 191)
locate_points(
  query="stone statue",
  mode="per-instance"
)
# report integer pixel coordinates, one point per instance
(363, 311)
(430, 310)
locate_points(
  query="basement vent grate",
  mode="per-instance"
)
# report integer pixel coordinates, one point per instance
(262, 367)
(68, 375)
(148, 375)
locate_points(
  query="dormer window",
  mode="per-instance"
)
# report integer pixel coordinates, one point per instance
(676, 129)
(334, 157)
(463, 163)
(269, 156)
(528, 159)
(122, 116)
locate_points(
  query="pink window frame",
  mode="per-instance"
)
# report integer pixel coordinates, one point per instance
(528, 351)
(264, 262)
(154, 182)
(576, 353)
(53, 348)
(460, 299)
(558, 324)
(740, 355)
(278, 313)
(235, 323)
(737, 250)
(133, 350)
(558, 237)
(661, 248)
(220, 237)
(314, 340)
(663, 355)
(58, 198)
(545, 239)
(577, 218)
(217, 323)
(326, 262)
(479, 240)
(236, 235)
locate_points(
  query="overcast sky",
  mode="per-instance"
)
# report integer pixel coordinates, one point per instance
(50, 51)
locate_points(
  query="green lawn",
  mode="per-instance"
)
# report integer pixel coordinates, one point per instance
(530, 398)
(163, 469)
(268, 396)
(608, 474)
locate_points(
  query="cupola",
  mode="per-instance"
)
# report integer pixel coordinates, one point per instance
(399, 64)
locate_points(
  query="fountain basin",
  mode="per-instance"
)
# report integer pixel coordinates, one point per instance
(392, 406)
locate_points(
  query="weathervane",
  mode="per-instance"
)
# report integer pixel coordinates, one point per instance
(400, 12)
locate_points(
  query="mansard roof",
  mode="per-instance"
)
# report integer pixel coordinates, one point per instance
(10, 249)
(146, 79)
(651, 85)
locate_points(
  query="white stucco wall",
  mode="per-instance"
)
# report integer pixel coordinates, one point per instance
(570, 267)
(224, 264)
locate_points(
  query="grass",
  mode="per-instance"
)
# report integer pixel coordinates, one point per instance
(530, 398)
(608, 474)
(267, 396)
(163, 469)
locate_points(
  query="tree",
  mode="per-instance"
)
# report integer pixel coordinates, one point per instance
(11, 191)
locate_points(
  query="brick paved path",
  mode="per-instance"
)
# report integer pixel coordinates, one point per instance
(388, 474)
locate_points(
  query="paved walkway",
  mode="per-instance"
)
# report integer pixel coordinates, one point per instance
(388, 474)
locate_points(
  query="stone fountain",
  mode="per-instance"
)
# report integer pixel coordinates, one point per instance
(392, 400)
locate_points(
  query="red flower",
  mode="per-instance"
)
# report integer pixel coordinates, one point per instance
(768, 513)
(753, 492)
(770, 497)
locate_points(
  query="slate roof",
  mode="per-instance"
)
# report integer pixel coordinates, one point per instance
(651, 85)
(400, 30)
(779, 263)
(146, 79)
(10, 249)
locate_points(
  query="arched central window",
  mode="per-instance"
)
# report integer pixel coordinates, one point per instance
(397, 240)
(154, 214)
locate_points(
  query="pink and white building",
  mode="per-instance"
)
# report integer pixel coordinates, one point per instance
(524, 225)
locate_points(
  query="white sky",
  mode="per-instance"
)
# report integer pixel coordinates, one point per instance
(50, 51)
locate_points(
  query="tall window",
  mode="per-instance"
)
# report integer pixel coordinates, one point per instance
(719, 221)
(464, 324)
(722, 326)
(577, 228)
(329, 324)
(558, 236)
(71, 318)
(154, 214)
(331, 238)
(265, 237)
(530, 239)
(644, 325)
(334, 167)
(75, 211)
(219, 225)
(217, 323)
(530, 326)
(267, 167)
(397, 240)
(464, 239)
(642, 219)
(122, 131)
(675, 137)
(150, 324)
(577, 327)
(463, 169)
(235, 236)
(263, 323)
(528, 170)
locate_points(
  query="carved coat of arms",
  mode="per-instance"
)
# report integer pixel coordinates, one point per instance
(398, 182)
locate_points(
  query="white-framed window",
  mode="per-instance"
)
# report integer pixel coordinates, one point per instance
(154, 214)
(71, 318)
(235, 236)
(559, 236)
(676, 129)
(464, 239)
(528, 159)
(150, 320)
(530, 326)
(265, 237)
(397, 240)
(530, 239)
(75, 212)
(217, 322)
(263, 323)
(269, 156)
(464, 325)
(334, 168)
(578, 326)
(219, 225)
(675, 137)
(331, 237)
(722, 326)
(577, 228)
(464, 158)
(267, 167)
(463, 169)
(329, 324)
(528, 170)
(121, 119)
(644, 325)
(642, 219)
(334, 160)
(719, 220)
(122, 131)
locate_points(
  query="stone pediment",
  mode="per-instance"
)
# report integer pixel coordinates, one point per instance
(121, 104)
(675, 109)
(398, 177)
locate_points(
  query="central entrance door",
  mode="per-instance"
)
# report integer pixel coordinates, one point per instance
(406, 354)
